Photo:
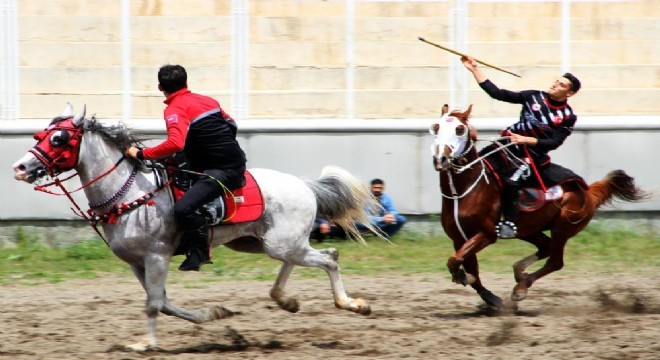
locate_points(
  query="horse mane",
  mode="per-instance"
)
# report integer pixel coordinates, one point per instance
(119, 135)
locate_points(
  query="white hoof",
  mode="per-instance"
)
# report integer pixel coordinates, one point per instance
(142, 345)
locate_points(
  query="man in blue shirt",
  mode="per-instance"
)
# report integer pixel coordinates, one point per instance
(388, 218)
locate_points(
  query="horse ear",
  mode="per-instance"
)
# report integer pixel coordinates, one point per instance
(78, 119)
(445, 109)
(468, 111)
(68, 111)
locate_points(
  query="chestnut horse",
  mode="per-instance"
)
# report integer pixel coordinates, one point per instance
(471, 208)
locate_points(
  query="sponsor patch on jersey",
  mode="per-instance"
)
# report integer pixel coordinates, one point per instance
(536, 107)
(172, 119)
(557, 119)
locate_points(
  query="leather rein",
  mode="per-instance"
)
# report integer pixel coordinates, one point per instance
(91, 217)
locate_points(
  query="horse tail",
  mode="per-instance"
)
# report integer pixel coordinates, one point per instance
(616, 184)
(344, 200)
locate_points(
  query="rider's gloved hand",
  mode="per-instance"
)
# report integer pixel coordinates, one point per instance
(134, 152)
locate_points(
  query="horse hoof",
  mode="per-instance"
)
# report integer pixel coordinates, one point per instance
(359, 307)
(518, 294)
(365, 310)
(291, 305)
(219, 312)
(362, 307)
(143, 345)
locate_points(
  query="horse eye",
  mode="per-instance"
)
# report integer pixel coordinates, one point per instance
(59, 138)
(460, 130)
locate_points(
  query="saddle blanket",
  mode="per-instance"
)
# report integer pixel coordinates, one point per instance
(532, 199)
(245, 204)
(237, 206)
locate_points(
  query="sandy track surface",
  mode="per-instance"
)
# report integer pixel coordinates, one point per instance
(414, 317)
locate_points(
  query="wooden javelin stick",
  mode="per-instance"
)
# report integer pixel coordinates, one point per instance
(461, 54)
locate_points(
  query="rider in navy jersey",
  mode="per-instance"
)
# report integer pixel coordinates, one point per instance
(198, 126)
(546, 120)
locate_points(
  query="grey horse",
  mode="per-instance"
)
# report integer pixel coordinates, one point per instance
(145, 236)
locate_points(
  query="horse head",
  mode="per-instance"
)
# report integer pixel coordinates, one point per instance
(57, 148)
(453, 137)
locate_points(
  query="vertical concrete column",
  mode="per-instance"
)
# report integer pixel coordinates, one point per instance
(10, 96)
(126, 65)
(566, 35)
(240, 66)
(349, 44)
(458, 38)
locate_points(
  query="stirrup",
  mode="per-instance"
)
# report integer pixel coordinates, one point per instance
(506, 230)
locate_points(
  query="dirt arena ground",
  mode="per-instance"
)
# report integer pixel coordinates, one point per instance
(414, 317)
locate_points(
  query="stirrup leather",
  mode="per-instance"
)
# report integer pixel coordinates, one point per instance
(506, 230)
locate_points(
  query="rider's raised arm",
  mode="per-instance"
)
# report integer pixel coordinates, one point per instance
(496, 93)
(491, 89)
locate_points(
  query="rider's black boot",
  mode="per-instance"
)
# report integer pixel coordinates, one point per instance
(506, 229)
(198, 252)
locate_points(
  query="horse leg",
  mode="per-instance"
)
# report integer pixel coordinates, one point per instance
(215, 312)
(149, 279)
(466, 256)
(542, 243)
(465, 250)
(554, 263)
(277, 291)
(326, 259)
(471, 266)
(152, 278)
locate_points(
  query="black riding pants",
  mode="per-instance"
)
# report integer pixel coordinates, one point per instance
(506, 168)
(509, 199)
(203, 191)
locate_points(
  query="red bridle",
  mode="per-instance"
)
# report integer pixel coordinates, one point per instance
(58, 149)
(58, 145)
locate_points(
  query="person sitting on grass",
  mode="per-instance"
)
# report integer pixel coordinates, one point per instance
(387, 218)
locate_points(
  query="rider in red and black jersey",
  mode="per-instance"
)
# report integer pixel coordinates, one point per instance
(546, 120)
(196, 125)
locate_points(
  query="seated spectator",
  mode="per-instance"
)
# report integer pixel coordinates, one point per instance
(323, 228)
(388, 219)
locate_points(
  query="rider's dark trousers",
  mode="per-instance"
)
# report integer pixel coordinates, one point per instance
(203, 191)
(509, 199)
(505, 168)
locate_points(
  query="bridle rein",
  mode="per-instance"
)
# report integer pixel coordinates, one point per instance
(58, 149)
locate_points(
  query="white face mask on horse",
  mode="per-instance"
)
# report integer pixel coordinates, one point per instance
(451, 138)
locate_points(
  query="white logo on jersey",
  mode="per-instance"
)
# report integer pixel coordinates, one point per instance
(172, 119)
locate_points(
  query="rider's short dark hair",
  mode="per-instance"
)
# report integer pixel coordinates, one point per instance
(377, 182)
(575, 82)
(172, 78)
